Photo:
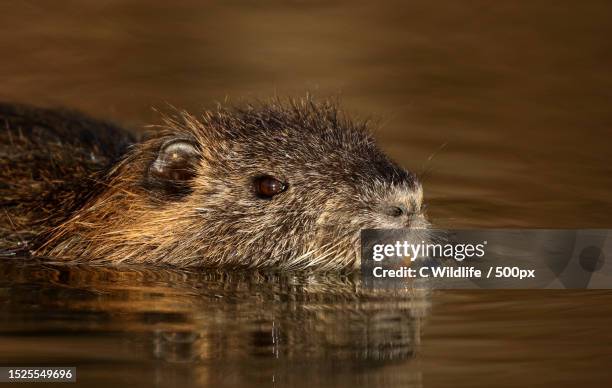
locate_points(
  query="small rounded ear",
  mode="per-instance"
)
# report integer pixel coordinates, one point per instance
(174, 167)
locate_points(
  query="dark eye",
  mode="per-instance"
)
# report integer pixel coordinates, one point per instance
(267, 186)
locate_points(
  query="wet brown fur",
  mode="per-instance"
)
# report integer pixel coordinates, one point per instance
(82, 198)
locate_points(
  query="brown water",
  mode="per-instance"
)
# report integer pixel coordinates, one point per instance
(504, 108)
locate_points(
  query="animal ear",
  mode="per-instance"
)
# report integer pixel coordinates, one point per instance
(174, 167)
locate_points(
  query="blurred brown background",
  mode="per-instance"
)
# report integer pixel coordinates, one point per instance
(512, 99)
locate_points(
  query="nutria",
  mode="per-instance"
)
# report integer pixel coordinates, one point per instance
(283, 184)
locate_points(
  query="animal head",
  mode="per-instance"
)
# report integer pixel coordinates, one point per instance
(286, 185)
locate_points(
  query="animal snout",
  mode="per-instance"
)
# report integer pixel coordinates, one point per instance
(402, 212)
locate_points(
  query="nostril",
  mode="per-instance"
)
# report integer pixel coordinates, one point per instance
(395, 211)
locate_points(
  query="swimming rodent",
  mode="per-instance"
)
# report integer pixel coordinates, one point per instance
(282, 184)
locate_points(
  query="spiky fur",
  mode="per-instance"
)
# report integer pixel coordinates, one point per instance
(337, 178)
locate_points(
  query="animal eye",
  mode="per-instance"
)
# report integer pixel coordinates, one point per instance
(267, 187)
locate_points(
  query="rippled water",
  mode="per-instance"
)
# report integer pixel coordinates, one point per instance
(503, 108)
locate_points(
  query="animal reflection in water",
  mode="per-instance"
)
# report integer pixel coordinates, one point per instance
(199, 317)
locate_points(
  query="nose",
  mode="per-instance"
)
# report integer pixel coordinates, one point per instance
(395, 210)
